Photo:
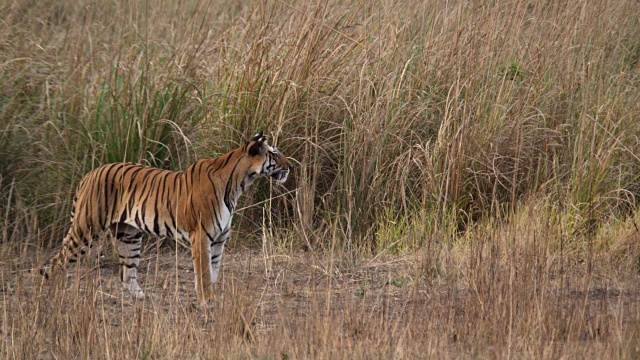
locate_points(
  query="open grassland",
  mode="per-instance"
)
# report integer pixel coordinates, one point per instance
(466, 183)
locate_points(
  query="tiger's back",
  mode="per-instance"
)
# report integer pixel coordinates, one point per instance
(132, 194)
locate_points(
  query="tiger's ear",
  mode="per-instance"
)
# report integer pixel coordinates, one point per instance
(256, 137)
(259, 147)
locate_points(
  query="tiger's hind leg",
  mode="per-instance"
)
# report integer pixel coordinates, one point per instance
(129, 243)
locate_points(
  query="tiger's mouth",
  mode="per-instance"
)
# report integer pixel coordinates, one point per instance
(281, 176)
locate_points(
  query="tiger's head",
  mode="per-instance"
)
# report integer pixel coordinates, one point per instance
(266, 160)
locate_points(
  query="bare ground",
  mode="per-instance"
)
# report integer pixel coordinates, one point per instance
(308, 306)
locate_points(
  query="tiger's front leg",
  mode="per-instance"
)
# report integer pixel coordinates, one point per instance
(201, 265)
(217, 247)
(129, 242)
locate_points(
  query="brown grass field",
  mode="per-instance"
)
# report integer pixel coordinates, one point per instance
(466, 182)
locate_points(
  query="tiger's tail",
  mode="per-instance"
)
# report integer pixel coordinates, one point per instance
(75, 244)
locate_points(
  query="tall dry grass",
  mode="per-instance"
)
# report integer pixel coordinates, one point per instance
(491, 148)
(504, 290)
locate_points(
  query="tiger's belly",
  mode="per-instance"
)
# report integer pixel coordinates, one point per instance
(153, 224)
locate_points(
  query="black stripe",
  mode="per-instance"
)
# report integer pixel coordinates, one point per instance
(134, 175)
(144, 194)
(170, 232)
(132, 191)
(113, 185)
(227, 200)
(227, 160)
(209, 236)
(215, 202)
(145, 227)
(136, 167)
(164, 188)
(106, 193)
(156, 226)
(124, 216)
(190, 171)
(142, 214)
(87, 207)
(152, 181)
(85, 240)
(162, 185)
(183, 188)
(200, 166)
(130, 241)
(156, 223)
(147, 183)
(219, 242)
(193, 212)
(173, 219)
(97, 182)
(114, 204)
(79, 232)
(175, 186)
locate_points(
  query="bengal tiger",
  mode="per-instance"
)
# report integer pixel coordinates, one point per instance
(195, 205)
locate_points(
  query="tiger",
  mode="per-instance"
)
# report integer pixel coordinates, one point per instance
(195, 205)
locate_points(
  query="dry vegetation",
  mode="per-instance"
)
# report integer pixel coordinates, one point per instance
(466, 182)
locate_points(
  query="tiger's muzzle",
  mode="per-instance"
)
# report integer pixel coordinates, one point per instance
(281, 176)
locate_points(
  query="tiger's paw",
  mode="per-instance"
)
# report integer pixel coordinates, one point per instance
(134, 289)
(205, 297)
